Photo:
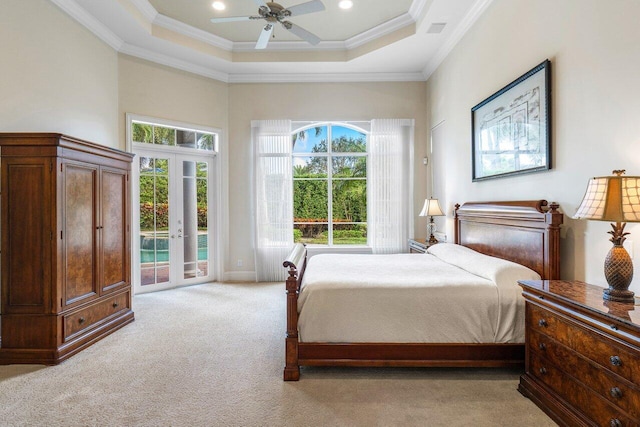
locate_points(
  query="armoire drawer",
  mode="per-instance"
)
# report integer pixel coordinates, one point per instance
(80, 321)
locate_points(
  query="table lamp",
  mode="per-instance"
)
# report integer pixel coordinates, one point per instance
(616, 199)
(431, 208)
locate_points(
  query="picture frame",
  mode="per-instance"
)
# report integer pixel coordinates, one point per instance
(511, 129)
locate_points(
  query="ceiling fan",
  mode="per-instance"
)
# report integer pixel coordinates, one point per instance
(273, 12)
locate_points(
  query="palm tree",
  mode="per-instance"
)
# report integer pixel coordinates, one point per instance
(302, 135)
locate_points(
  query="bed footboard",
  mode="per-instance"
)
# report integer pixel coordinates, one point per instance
(296, 262)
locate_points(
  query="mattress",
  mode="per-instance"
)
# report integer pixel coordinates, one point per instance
(451, 294)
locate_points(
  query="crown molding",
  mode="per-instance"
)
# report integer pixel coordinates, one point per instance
(169, 61)
(72, 8)
(467, 22)
(148, 11)
(325, 78)
(289, 46)
(192, 32)
(379, 31)
(416, 9)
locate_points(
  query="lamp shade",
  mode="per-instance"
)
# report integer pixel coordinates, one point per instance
(611, 198)
(431, 208)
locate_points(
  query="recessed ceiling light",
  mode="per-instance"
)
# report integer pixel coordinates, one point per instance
(345, 4)
(218, 5)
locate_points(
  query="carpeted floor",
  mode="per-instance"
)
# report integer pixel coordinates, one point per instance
(212, 355)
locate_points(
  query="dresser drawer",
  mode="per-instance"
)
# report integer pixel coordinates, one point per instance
(611, 355)
(89, 317)
(610, 386)
(568, 389)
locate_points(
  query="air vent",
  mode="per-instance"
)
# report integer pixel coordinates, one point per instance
(436, 28)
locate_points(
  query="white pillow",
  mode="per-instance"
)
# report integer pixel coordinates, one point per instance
(500, 271)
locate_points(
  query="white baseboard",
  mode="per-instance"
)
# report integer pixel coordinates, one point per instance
(239, 276)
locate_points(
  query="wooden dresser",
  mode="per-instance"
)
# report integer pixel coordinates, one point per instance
(582, 354)
(65, 275)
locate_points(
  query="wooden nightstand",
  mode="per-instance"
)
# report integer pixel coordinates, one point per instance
(582, 354)
(417, 246)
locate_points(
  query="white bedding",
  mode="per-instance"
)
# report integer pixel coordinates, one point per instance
(452, 294)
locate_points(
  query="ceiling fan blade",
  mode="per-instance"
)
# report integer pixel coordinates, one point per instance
(231, 19)
(308, 7)
(302, 33)
(265, 35)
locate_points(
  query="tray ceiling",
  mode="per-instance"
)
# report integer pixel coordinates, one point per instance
(376, 40)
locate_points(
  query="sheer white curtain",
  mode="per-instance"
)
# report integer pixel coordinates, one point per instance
(390, 186)
(273, 197)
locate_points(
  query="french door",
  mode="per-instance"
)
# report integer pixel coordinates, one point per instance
(174, 219)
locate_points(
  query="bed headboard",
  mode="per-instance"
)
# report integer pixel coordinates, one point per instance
(526, 232)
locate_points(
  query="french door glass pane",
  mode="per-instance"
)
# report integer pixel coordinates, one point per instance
(154, 220)
(194, 231)
(202, 178)
(189, 230)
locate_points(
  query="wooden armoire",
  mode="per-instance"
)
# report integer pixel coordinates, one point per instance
(65, 256)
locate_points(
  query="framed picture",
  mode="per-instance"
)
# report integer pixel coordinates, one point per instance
(511, 130)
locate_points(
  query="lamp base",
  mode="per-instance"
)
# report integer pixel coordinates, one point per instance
(618, 270)
(618, 295)
(432, 240)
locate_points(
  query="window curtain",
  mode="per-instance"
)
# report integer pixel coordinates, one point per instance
(390, 186)
(273, 197)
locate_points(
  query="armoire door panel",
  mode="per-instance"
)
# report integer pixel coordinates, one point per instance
(113, 213)
(79, 232)
(29, 245)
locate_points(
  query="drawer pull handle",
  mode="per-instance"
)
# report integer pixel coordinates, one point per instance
(614, 327)
(542, 346)
(115, 304)
(616, 392)
(81, 320)
(615, 360)
(542, 323)
(542, 371)
(615, 423)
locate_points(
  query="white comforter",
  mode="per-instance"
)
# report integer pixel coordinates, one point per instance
(452, 294)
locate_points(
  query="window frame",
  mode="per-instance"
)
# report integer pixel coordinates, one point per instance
(362, 127)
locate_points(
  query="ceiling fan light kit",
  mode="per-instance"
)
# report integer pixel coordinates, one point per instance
(273, 12)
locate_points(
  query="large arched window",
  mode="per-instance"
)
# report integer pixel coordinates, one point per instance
(329, 163)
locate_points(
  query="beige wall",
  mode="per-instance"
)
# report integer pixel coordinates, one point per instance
(311, 101)
(154, 90)
(55, 75)
(595, 54)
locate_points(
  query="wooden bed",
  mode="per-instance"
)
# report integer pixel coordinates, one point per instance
(526, 232)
